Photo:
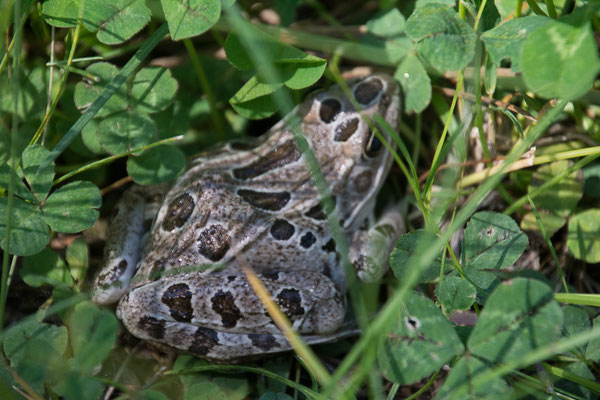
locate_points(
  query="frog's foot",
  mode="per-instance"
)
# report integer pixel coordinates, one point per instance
(125, 238)
(370, 250)
(218, 316)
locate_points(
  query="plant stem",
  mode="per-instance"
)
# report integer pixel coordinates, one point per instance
(214, 111)
(15, 84)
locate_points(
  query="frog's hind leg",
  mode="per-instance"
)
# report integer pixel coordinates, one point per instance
(218, 315)
(125, 239)
(370, 249)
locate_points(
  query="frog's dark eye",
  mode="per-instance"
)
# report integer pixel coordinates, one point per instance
(373, 145)
(329, 110)
(367, 91)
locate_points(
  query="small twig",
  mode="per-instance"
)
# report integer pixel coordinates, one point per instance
(115, 185)
(49, 100)
(487, 100)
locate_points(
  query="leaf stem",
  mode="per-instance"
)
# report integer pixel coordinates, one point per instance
(201, 74)
(107, 160)
(22, 20)
(551, 9)
(15, 83)
(542, 227)
(477, 177)
(436, 157)
(63, 81)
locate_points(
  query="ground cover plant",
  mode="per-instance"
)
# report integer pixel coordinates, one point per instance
(492, 290)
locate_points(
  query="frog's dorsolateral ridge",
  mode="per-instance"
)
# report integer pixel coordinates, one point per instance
(258, 201)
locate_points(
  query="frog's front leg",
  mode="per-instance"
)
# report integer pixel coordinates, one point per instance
(370, 249)
(218, 316)
(125, 239)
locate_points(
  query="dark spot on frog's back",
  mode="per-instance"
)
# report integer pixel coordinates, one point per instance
(214, 242)
(179, 300)
(263, 341)
(329, 246)
(307, 240)
(270, 274)
(345, 129)
(282, 230)
(204, 340)
(152, 326)
(362, 182)
(243, 145)
(224, 305)
(178, 212)
(281, 155)
(368, 90)
(329, 110)
(270, 201)
(290, 302)
(317, 212)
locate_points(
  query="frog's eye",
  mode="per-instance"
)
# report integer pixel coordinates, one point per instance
(373, 145)
(367, 91)
(330, 108)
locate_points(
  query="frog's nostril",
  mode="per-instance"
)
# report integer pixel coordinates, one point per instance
(368, 90)
(329, 110)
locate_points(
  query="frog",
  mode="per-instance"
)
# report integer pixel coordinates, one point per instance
(174, 254)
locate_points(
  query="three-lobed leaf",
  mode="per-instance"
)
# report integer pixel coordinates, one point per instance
(87, 92)
(117, 20)
(158, 164)
(40, 182)
(422, 341)
(72, 207)
(493, 241)
(415, 83)
(521, 315)
(293, 68)
(190, 18)
(126, 131)
(583, 238)
(387, 23)
(29, 233)
(560, 59)
(561, 198)
(45, 268)
(93, 333)
(153, 89)
(506, 41)
(455, 293)
(14, 343)
(406, 248)
(443, 39)
(61, 13)
(114, 21)
(463, 372)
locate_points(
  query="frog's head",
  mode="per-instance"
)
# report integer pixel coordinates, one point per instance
(352, 158)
